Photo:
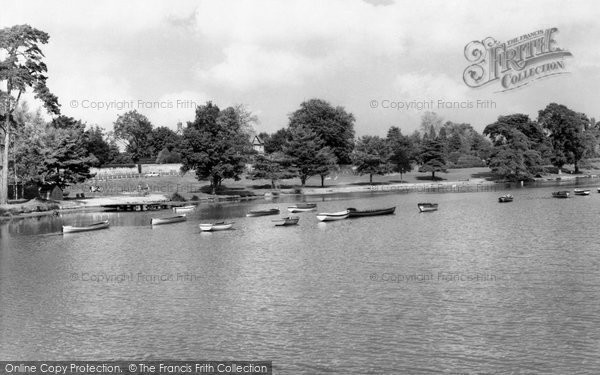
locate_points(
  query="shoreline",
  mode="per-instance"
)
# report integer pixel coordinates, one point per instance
(96, 204)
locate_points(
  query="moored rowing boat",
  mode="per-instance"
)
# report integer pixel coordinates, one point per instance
(302, 207)
(73, 229)
(284, 221)
(211, 227)
(427, 207)
(331, 216)
(168, 220)
(272, 211)
(184, 209)
(353, 212)
(581, 192)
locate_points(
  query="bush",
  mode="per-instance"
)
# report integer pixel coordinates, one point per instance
(176, 197)
(195, 198)
(469, 161)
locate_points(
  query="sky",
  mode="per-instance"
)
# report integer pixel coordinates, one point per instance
(372, 57)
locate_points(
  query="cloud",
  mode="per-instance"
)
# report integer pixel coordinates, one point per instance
(427, 86)
(249, 66)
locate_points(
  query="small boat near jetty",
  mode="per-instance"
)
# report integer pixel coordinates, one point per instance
(212, 227)
(561, 194)
(168, 220)
(506, 198)
(427, 207)
(272, 211)
(302, 207)
(353, 212)
(331, 216)
(285, 221)
(184, 208)
(581, 192)
(74, 229)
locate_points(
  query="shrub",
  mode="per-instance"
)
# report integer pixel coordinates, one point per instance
(176, 197)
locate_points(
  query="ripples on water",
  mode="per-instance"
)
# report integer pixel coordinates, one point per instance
(318, 297)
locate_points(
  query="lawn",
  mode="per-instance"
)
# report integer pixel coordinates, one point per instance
(188, 186)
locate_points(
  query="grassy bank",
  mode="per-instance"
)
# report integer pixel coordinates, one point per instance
(191, 189)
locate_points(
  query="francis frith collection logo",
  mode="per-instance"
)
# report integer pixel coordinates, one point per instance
(514, 63)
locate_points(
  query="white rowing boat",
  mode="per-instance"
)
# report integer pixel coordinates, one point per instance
(168, 220)
(211, 227)
(331, 216)
(74, 229)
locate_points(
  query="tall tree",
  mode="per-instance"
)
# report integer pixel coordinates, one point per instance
(334, 126)
(432, 156)
(21, 68)
(431, 123)
(215, 145)
(59, 155)
(162, 139)
(97, 145)
(275, 142)
(370, 156)
(400, 151)
(308, 154)
(136, 131)
(518, 145)
(566, 128)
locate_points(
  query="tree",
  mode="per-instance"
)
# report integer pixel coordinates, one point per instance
(515, 139)
(136, 131)
(163, 138)
(215, 145)
(371, 156)
(247, 119)
(96, 145)
(400, 151)
(21, 68)
(273, 167)
(432, 156)
(27, 156)
(308, 154)
(334, 126)
(59, 156)
(275, 142)
(431, 124)
(566, 128)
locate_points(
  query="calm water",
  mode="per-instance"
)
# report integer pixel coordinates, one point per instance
(477, 286)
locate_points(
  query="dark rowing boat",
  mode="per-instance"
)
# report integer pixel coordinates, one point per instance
(272, 211)
(561, 194)
(285, 221)
(353, 212)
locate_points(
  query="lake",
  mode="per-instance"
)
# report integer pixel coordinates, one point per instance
(476, 287)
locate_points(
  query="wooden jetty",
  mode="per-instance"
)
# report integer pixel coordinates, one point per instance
(143, 206)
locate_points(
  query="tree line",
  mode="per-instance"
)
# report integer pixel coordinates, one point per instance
(318, 140)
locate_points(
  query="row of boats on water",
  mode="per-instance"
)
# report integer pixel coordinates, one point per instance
(557, 194)
(567, 194)
(284, 221)
(293, 220)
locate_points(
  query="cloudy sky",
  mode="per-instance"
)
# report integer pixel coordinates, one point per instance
(272, 55)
